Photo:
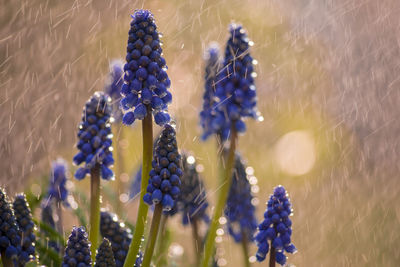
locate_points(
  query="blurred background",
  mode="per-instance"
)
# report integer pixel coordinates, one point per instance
(328, 89)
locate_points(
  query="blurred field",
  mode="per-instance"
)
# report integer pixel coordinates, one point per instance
(327, 68)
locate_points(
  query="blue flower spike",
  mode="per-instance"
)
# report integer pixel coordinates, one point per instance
(275, 231)
(118, 234)
(77, 252)
(58, 178)
(240, 210)
(105, 255)
(27, 227)
(165, 176)
(113, 87)
(192, 202)
(95, 138)
(10, 239)
(209, 117)
(146, 80)
(235, 89)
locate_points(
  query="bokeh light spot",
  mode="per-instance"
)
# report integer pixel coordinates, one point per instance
(295, 152)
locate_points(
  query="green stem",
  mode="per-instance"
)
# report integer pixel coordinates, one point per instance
(94, 210)
(147, 135)
(120, 169)
(223, 195)
(163, 243)
(272, 257)
(155, 225)
(7, 262)
(245, 250)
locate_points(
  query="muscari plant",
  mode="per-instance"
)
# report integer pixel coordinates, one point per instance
(236, 100)
(169, 183)
(119, 235)
(10, 239)
(145, 94)
(105, 255)
(77, 252)
(240, 210)
(95, 154)
(26, 226)
(274, 232)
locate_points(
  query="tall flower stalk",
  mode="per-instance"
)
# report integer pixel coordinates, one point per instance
(235, 99)
(96, 154)
(145, 95)
(164, 184)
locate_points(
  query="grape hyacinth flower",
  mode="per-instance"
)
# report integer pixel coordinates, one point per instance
(164, 183)
(275, 231)
(192, 202)
(95, 138)
(240, 211)
(57, 186)
(237, 100)
(10, 239)
(26, 226)
(77, 252)
(105, 255)
(113, 87)
(118, 234)
(235, 88)
(146, 81)
(210, 119)
(96, 153)
(48, 218)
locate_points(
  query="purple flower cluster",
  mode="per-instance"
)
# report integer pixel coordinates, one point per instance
(234, 87)
(113, 87)
(275, 230)
(192, 202)
(119, 235)
(26, 226)
(95, 137)
(239, 210)
(209, 119)
(105, 255)
(165, 176)
(77, 252)
(146, 81)
(57, 189)
(10, 239)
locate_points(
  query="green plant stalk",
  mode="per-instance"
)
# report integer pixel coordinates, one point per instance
(155, 225)
(196, 239)
(272, 257)
(6, 261)
(223, 195)
(94, 233)
(163, 243)
(120, 169)
(147, 136)
(245, 250)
